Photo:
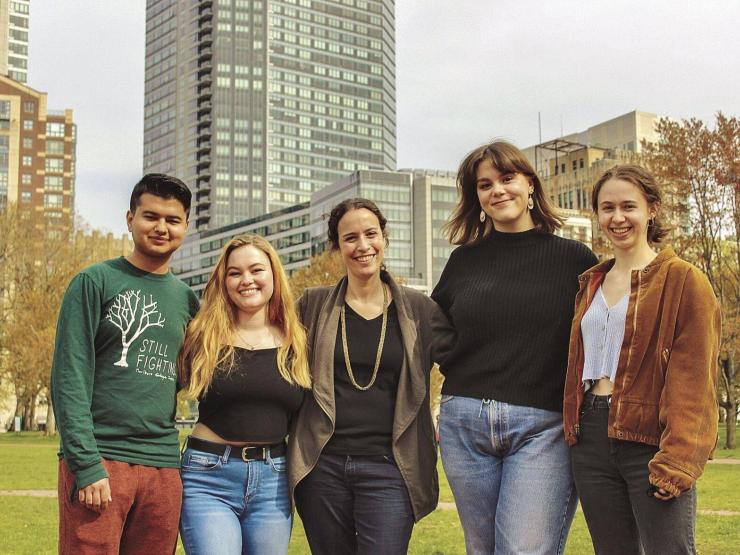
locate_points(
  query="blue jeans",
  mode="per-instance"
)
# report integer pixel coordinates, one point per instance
(230, 506)
(355, 505)
(509, 470)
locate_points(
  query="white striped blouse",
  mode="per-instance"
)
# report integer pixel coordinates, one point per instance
(602, 329)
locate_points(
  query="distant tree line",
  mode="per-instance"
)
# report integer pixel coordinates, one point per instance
(36, 265)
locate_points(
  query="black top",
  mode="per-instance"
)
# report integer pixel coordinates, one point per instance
(364, 419)
(250, 402)
(510, 298)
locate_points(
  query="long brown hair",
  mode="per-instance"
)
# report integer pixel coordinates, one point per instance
(464, 226)
(208, 337)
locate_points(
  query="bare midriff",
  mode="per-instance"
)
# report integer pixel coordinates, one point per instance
(604, 386)
(201, 431)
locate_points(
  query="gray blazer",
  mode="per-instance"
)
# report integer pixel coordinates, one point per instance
(427, 338)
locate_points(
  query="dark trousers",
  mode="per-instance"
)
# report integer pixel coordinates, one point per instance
(612, 481)
(352, 504)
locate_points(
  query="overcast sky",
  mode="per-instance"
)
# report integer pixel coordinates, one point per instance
(467, 71)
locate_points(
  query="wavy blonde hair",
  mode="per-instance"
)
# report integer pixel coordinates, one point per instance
(207, 342)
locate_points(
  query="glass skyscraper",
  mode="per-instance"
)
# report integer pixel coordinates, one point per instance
(258, 103)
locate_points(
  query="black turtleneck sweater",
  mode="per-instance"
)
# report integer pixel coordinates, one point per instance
(510, 297)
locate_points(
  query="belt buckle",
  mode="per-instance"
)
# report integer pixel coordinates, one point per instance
(245, 458)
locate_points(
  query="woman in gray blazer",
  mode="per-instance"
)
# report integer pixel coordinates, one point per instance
(362, 455)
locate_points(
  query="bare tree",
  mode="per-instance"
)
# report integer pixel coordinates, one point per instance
(699, 166)
(122, 314)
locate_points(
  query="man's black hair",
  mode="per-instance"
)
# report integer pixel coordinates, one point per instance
(164, 186)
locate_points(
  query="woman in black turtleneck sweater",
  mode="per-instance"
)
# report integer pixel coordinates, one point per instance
(508, 290)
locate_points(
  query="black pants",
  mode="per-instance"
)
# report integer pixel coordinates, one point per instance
(352, 504)
(612, 481)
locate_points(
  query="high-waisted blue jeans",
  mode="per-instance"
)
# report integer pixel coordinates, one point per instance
(231, 506)
(509, 470)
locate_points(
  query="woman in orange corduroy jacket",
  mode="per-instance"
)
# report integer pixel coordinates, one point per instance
(640, 409)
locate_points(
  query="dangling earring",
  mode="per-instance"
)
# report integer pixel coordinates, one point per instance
(482, 216)
(530, 202)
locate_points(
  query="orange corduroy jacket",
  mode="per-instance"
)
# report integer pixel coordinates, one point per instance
(665, 385)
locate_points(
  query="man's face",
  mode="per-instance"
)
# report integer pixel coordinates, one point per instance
(158, 226)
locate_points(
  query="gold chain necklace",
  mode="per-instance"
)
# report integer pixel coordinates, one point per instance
(345, 348)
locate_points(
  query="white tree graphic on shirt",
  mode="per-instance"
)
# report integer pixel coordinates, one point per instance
(132, 307)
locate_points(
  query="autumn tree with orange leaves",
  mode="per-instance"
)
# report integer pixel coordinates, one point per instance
(700, 169)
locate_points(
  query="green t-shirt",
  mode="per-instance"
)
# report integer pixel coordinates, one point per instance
(113, 378)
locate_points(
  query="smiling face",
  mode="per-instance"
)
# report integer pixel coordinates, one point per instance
(503, 197)
(157, 227)
(361, 243)
(624, 213)
(249, 281)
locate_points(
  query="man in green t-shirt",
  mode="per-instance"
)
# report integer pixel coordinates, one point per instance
(113, 384)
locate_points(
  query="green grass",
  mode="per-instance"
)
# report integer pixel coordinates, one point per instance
(29, 525)
(719, 488)
(28, 461)
(720, 452)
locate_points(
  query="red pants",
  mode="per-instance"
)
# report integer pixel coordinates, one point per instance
(142, 518)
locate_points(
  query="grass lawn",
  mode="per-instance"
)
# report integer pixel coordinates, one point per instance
(720, 452)
(29, 525)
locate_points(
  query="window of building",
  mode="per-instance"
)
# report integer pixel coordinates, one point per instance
(27, 160)
(25, 197)
(54, 182)
(5, 109)
(54, 129)
(581, 163)
(54, 147)
(53, 201)
(27, 124)
(29, 107)
(27, 142)
(54, 165)
(18, 7)
(26, 178)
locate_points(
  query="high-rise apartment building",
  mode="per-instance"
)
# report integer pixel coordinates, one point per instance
(257, 104)
(37, 154)
(14, 39)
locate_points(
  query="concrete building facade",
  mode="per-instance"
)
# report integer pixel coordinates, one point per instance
(569, 166)
(14, 39)
(257, 104)
(37, 154)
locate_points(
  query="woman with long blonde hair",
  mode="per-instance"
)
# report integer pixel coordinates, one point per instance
(244, 358)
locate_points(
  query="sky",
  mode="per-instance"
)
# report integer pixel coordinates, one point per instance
(467, 71)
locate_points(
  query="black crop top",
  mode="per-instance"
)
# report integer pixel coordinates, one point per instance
(250, 402)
